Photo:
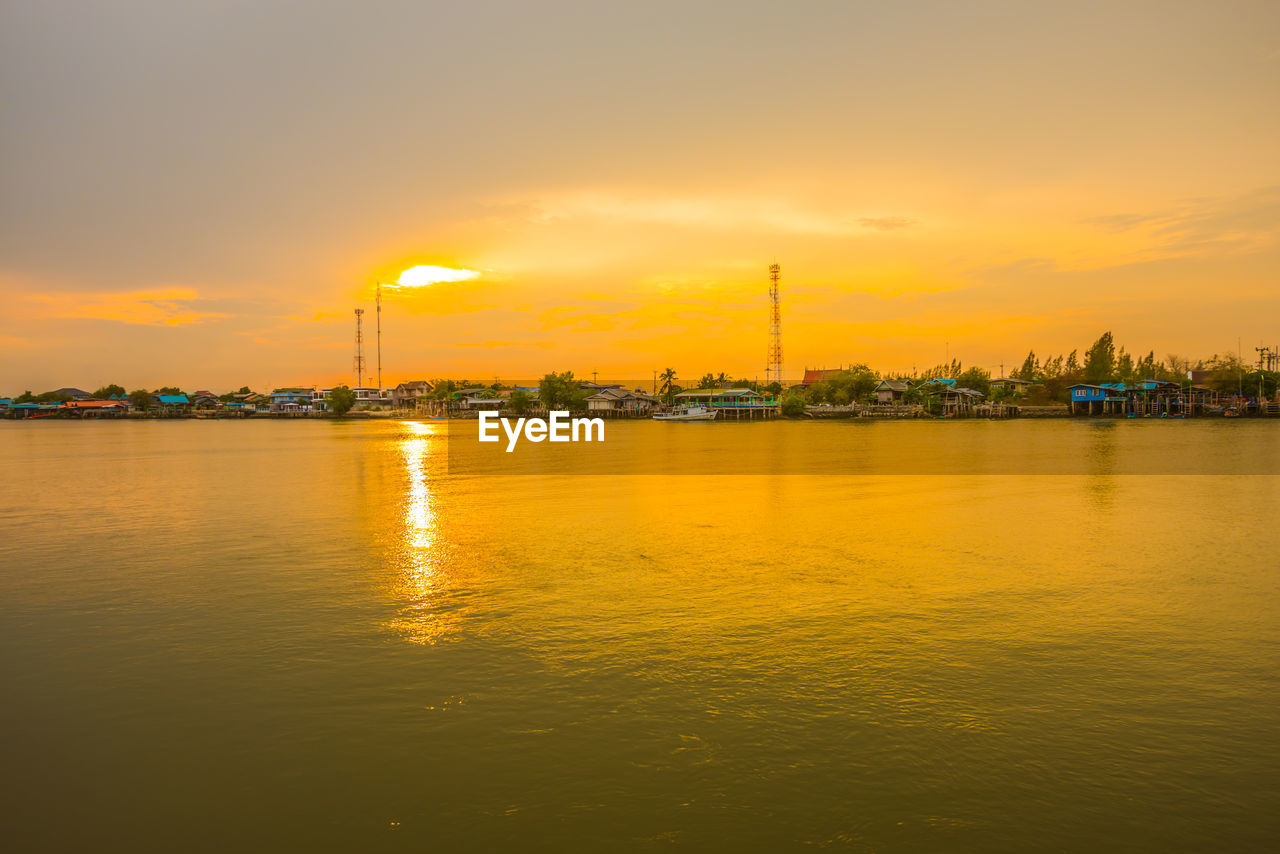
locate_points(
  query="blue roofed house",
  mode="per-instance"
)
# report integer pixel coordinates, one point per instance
(1089, 399)
(171, 404)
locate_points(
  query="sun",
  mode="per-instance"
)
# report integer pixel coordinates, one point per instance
(423, 275)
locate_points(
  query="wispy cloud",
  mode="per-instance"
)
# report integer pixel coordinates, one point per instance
(886, 223)
(1238, 223)
(541, 345)
(718, 212)
(163, 307)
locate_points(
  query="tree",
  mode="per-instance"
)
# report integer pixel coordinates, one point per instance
(25, 397)
(976, 379)
(708, 380)
(1030, 368)
(1125, 367)
(244, 389)
(1073, 363)
(793, 406)
(668, 379)
(140, 399)
(112, 390)
(561, 391)
(1100, 360)
(169, 389)
(521, 401)
(774, 388)
(340, 400)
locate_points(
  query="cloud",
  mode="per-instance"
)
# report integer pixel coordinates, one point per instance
(164, 307)
(1240, 223)
(541, 345)
(886, 223)
(712, 212)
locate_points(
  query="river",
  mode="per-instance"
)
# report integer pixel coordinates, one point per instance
(298, 635)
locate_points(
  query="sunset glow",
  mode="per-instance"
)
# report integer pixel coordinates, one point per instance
(969, 181)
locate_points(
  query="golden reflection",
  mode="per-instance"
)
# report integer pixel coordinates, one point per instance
(416, 550)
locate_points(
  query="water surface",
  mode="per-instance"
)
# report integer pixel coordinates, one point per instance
(309, 635)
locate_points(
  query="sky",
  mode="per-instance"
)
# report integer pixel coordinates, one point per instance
(200, 193)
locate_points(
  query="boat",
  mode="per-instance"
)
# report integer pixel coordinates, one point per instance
(686, 413)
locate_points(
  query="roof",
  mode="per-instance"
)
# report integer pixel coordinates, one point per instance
(172, 398)
(719, 392)
(893, 385)
(610, 393)
(817, 375)
(1011, 380)
(1088, 385)
(94, 404)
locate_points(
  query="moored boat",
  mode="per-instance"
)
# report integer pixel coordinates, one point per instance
(686, 413)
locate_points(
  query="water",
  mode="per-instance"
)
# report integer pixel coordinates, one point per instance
(297, 635)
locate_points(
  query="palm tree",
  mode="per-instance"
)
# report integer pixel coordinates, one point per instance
(668, 378)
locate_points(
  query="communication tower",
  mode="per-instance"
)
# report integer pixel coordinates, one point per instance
(359, 360)
(773, 367)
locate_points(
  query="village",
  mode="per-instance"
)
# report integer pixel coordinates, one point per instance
(823, 393)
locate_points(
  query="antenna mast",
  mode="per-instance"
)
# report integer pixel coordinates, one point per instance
(379, 335)
(359, 360)
(773, 367)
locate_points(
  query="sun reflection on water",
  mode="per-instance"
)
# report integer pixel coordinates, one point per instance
(422, 580)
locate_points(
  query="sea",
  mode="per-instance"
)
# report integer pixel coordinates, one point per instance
(316, 635)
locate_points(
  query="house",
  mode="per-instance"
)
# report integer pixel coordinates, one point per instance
(477, 397)
(816, 375)
(1087, 398)
(33, 410)
(733, 403)
(204, 400)
(1010, 384)
(405, 395)
(891, 391)
(619, 400)
(956, 401)
(97, 408)
(373, 398)
(291, 399)
(171, 403)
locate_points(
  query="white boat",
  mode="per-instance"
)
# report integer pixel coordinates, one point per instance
(686, 413)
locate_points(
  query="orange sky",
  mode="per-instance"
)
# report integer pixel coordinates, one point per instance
(199, 194)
